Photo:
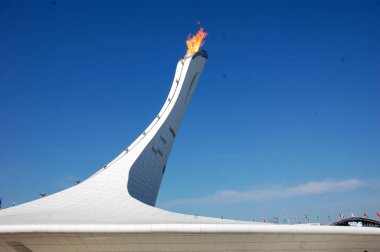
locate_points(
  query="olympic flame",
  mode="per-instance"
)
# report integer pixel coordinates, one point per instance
(195, 42)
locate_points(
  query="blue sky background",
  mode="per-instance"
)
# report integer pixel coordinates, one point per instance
(284, 122)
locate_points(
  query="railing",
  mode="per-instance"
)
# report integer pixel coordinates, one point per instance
(150, 127)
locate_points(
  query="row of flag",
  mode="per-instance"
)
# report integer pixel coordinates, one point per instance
(307, 218)
(365, 215)
(341, 216)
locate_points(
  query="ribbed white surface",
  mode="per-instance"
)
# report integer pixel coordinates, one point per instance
(191, 228)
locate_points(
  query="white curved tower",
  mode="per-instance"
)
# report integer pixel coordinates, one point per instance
(113, 210)
(124, 190)
(154, 146)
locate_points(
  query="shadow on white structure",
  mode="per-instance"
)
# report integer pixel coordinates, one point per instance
(113, 210)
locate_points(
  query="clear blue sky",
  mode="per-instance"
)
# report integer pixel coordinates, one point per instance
(285, 119)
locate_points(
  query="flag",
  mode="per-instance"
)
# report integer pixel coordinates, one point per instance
(341, 216)
(296, 220)
(378, 214)
(366, 215)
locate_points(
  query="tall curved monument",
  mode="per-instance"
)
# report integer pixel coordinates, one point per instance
(113, 210)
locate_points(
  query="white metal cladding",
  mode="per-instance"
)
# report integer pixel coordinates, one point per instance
(190, 237)
(146, 173)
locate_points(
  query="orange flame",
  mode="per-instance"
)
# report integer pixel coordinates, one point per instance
(195, 42)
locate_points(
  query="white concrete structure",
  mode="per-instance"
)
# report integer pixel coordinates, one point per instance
(114, 209)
